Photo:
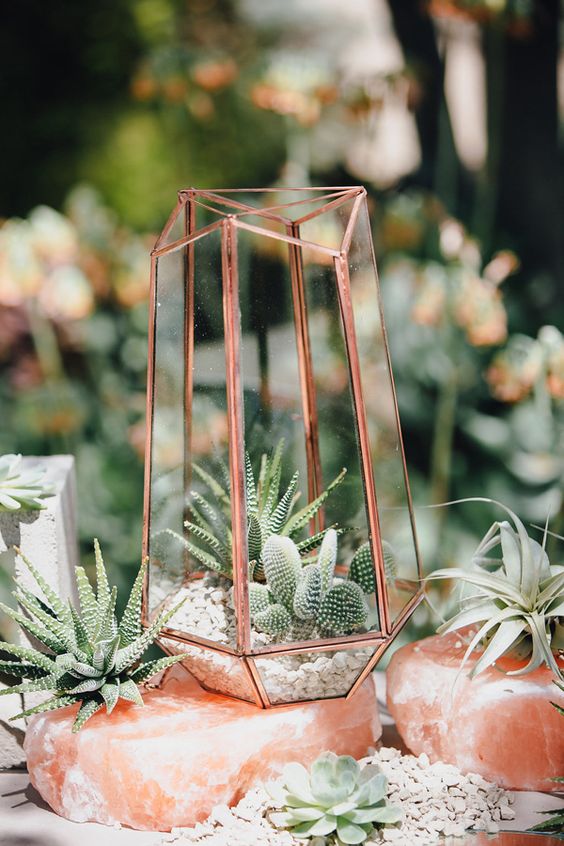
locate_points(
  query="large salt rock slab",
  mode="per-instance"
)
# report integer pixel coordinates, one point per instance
(167, 764)
(502, 727)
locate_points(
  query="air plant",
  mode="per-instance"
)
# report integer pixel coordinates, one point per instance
(337, 797)
(90, 657)
(518, 598)
(21, 489)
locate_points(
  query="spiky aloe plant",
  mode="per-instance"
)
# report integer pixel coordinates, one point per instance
(518, 598)
(335, 797)
(21, 490)
(90, 657)
(268, 513)
(300, 600)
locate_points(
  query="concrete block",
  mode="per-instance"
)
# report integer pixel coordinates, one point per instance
(49, 539)
(12, 734)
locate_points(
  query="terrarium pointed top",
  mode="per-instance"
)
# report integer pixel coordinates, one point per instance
(288, 207)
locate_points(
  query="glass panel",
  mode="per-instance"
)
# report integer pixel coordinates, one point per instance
(176, 227)
(167, 447)
(277, 406)
(215, 671)
(312, 675)
(328, 227)
(197, 556)
(396, 526)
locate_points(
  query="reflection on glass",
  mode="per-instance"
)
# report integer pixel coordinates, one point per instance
(216, 671)
(396, 528)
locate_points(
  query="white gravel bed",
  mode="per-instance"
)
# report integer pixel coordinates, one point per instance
(209, 612)
(437, 801)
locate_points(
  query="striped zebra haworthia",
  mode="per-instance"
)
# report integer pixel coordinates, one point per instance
(89, 656)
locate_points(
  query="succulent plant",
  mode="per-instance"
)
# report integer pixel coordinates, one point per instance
(21, 490)
(90, 658)
(336, 797)
(518, 598)
(268, 513)
(362, 568)
(300, 600)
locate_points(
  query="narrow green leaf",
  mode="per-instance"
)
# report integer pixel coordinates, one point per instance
(218, 491)
(88, 603)
(301, 518)
(63, 632)
(56, 603)
(36, 629)
(131, 653)
(80, 632)
(501, 642)
(103, 593)
(29, 654)
(151, 668)
(59, 701)
(110, 694)
(88, 708)
(250, 487)
(21, 670)
(130, 626)
(129, 691)
(44, 683)
(281, 513)
(200, 555)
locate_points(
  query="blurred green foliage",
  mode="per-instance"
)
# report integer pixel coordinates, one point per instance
(138, 98)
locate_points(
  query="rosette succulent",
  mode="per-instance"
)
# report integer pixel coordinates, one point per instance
(337, 797)
(517, 599)
(90, 658)
(21, 489)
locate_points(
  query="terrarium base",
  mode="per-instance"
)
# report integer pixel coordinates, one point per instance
(169, 763)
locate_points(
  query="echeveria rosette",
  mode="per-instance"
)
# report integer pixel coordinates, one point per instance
(517, 599)
(337, 797)
(90, 657)
(21, 489)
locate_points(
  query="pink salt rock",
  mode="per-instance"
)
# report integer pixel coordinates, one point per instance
(167, 764)
(501, 727)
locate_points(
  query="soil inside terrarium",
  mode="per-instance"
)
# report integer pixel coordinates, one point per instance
(208, 612)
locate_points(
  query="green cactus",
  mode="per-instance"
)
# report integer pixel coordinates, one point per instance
(276, 620)
(301, 600)
(343, 609)
(307, 597)
(259, 598)
(362, 569)
(209, 538)
(282, 569)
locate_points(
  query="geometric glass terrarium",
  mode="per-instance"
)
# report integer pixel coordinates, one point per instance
(277, 504)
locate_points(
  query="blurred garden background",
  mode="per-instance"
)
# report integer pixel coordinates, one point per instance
(449, 111)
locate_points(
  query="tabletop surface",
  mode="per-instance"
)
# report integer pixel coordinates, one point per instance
(25, 820)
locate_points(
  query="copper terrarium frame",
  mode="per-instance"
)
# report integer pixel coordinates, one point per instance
(230, 212)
